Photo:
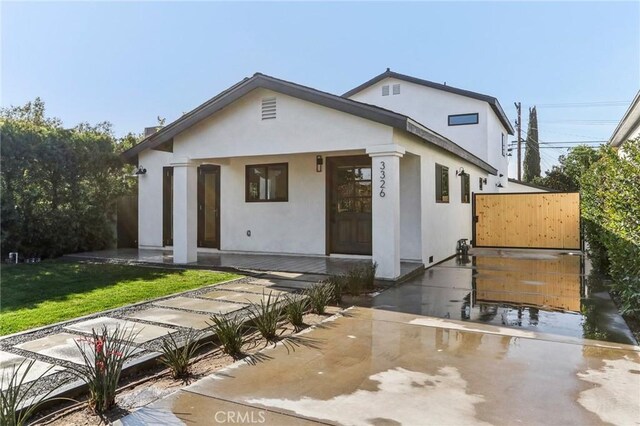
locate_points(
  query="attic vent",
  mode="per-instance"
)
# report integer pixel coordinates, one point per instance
(396, 89)
(385, 90)
(268, 108)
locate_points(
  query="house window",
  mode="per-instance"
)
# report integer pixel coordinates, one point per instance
(442, 184)
(480, 183)
(267, 182)
(396, 89)
(465, 185)
(463, 119)
(385, 90)
(504, 146)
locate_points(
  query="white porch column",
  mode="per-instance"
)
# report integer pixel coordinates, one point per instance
(385, 167)
(185, 211)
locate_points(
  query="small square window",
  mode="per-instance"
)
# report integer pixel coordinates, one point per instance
(385, 90)
(396, 89)
(442, 184)
(504, 146)
(267, 182)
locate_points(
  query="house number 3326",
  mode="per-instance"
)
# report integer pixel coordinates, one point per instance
(383, 177)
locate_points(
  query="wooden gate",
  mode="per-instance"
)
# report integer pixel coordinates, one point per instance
(527, 220)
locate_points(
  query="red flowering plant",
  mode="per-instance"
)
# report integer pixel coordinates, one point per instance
(104, 355)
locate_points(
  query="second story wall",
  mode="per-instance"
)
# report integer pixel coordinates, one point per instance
(432, 108)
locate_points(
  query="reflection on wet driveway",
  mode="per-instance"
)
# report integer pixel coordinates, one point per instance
(375, 367)
(541, 291)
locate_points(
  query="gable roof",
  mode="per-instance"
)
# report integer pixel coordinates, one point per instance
(164, 137)
(629, 124)
(493, 102)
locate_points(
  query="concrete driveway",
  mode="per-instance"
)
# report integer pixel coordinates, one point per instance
(535, 290)
(374, 367)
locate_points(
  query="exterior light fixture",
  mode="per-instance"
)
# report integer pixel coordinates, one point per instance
(319, 162)
(484, 180)
(500, 175)
(140, 171)
(499, 185)
(460, 171)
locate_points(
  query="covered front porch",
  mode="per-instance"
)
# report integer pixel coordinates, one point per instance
(291, 266)
(324, 210)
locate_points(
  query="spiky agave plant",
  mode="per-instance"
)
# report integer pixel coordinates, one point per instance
(229, 330)
(266, 315)
(177, 352)
(16, 408)
(296, 306)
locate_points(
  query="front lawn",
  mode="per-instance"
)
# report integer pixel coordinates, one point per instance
(33, 295)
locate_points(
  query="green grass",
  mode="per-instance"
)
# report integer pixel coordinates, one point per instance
(44, 293)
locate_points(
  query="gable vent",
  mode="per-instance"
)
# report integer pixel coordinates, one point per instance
(268, 108)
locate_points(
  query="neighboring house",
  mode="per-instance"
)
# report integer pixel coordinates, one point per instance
(520, 186)
(387, 171)
(629, 126)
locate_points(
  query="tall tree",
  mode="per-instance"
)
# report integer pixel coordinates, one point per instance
(532, 154)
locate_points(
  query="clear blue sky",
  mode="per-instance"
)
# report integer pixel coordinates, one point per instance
(131, 62)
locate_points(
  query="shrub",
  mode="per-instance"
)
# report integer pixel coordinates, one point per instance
(611, 213)
(360, 279)
(177, 353)
(296, 307)
(266, 315)
(103, 362)
(319, 297)
(229, 331)
(17, 393)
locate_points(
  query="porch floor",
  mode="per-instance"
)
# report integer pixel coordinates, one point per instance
(320, 265)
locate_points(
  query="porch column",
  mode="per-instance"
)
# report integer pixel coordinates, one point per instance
(385, 168)
(185, 211)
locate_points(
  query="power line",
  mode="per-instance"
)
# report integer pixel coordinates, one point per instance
(566, 142)
(583, 104)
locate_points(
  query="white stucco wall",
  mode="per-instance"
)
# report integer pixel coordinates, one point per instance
(443, 224)
(295, 226)
(516, 187)
(431, 107)
(150, 197)
(300, 127)
(410, 207)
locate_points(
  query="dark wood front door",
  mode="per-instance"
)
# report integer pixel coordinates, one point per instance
(209, 206)
(349, 204)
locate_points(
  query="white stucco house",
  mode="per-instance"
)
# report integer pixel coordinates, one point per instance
(629, 126)
(386, 171)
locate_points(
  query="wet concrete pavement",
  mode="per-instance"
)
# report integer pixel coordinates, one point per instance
(380, 367)
(543, 291)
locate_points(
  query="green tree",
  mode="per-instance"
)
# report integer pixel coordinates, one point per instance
(58, 185)
(567, 174)
(532, 154)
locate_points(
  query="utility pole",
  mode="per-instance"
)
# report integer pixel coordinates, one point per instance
(519, 126)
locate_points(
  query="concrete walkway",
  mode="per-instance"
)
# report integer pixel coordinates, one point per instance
(378, 367)
(54, 348)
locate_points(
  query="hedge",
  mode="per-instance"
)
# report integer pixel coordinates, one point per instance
(611, 214)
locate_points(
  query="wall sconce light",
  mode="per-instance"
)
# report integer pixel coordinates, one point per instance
(499, 185)
(500, 175)
(140, 171)
(319, 162)
(484, 180)
(460, 171)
